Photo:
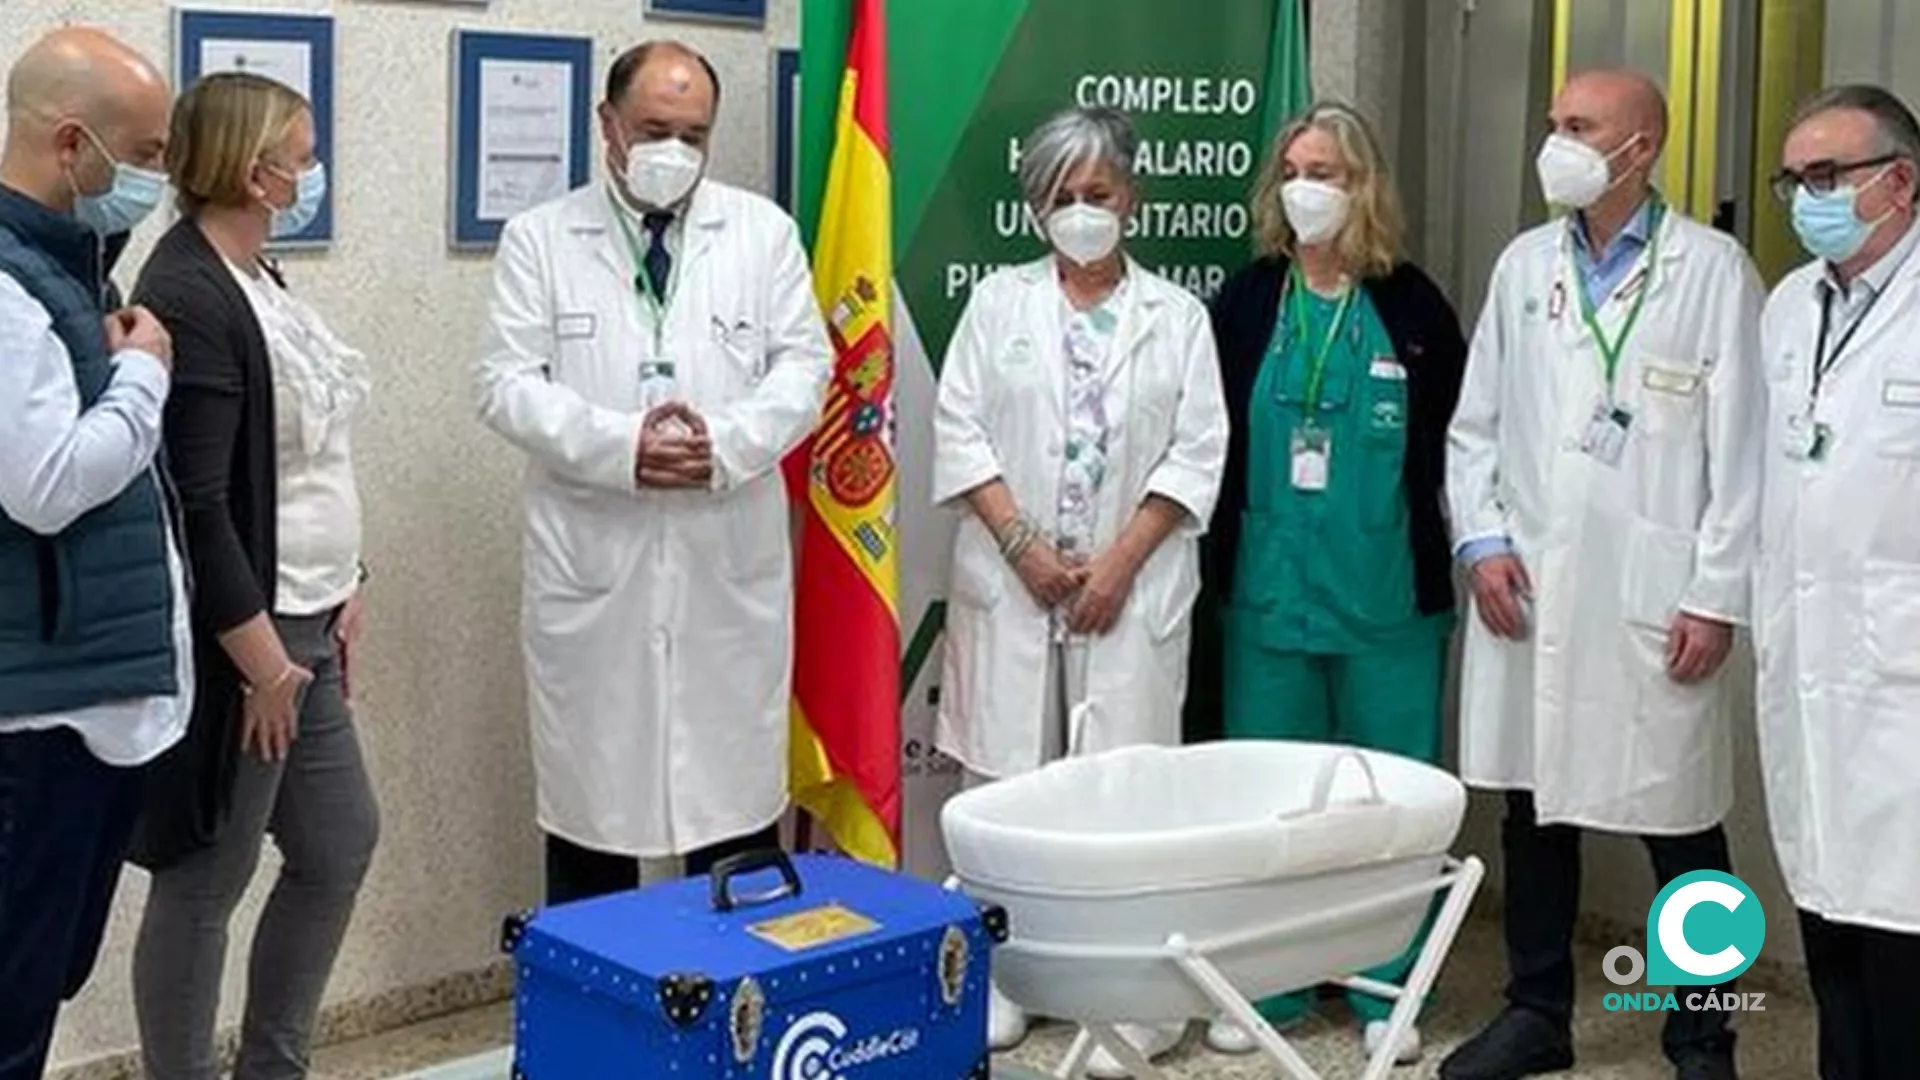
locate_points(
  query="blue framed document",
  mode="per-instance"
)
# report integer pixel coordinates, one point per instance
(522, 127)
(749, 13)
(296, 50)
(785, 128)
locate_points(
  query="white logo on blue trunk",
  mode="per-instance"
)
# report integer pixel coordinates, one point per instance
(815, 1048)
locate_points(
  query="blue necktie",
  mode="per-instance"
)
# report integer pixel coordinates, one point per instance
(658, 262)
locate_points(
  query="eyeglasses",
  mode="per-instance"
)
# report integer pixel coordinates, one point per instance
(1821, 177)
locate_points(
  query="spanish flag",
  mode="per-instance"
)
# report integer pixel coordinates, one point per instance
(845, 766)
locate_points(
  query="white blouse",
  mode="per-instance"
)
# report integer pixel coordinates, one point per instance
(319, 382)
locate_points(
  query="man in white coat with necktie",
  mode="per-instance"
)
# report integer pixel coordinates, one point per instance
(655, 349)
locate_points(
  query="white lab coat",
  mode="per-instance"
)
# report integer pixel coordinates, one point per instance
(1002, 413)
(656, 625)
(1582, 712)
(1837, 610)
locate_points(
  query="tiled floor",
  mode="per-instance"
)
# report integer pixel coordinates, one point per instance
(1774, 1045)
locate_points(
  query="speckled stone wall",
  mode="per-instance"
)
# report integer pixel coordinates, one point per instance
(440, 695)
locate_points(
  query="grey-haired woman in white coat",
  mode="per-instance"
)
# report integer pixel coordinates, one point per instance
(1081, 432)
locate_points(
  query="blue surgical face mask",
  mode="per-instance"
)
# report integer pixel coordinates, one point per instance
(134, 194)
(1826, 222)
(309, 191)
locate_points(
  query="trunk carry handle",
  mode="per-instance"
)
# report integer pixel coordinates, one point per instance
(749, 862)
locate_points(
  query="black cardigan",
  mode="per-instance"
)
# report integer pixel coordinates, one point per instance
(1427, 340)
(220, 449)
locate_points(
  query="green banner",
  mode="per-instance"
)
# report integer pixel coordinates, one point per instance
(967, 80)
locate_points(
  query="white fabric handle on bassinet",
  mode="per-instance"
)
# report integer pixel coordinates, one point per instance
(1323, 783)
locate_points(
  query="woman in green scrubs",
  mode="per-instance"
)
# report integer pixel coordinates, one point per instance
(1341, 364)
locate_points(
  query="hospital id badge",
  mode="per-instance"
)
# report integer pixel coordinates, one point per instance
(657, 387)
(1606, 437)
(1311, 449)
(1807, 438)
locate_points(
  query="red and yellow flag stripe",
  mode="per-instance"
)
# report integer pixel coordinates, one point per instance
(845, 763)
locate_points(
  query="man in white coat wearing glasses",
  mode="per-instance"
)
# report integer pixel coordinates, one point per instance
(1837, 613)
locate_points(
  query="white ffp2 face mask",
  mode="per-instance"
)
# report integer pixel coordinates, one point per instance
(1573, 174)
(1315, 209)
(1083, 232)
(661, 172)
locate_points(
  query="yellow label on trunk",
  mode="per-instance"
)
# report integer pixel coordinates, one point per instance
(813, 927)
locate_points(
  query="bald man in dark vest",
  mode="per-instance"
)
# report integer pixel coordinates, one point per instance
(95, 659)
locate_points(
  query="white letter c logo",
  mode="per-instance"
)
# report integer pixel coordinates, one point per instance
(1673, 934)
(804, 1051)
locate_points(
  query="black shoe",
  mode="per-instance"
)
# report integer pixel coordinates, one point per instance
(1518, 1043)
(1705, 1065)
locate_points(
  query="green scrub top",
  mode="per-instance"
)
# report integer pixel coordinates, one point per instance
(1328, 571)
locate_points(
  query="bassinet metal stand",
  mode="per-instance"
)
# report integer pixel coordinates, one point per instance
(1459, 879)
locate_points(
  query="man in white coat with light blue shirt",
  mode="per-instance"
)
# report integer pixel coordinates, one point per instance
(655, 348)
(1602, 476)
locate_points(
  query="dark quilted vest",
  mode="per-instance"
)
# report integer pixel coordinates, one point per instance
(86, 616)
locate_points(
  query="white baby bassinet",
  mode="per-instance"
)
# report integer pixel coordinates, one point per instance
(1150, 883)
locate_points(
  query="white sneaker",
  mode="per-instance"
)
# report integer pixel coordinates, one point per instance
(1227, 1037)
(1152, 1040)
(1006, 1022)
(1409, 1051)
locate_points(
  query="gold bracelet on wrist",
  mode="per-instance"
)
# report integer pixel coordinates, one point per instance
(249, 689)
(1019, 539)
(1010, 534)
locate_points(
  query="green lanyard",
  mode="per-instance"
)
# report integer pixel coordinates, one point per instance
(1610, 351)
(651, 296)
(1317, 361)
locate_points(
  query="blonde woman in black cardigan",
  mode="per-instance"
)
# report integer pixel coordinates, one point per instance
(258, 440)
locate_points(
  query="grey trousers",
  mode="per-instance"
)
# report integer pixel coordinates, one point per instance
(319, 806)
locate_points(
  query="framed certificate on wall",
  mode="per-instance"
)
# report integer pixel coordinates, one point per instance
(522, 127)
(749, 13)
(296, 50)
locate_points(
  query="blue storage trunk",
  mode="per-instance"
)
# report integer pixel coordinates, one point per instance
(841, 972)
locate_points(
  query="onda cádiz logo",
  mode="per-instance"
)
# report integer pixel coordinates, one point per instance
(816, 1048)
(1704, 928)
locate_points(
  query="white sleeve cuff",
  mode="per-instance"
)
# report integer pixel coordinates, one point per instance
(959, 473)
(143, 370)
(1189, 489)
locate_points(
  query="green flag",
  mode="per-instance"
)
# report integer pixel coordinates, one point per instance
(1289, 80)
